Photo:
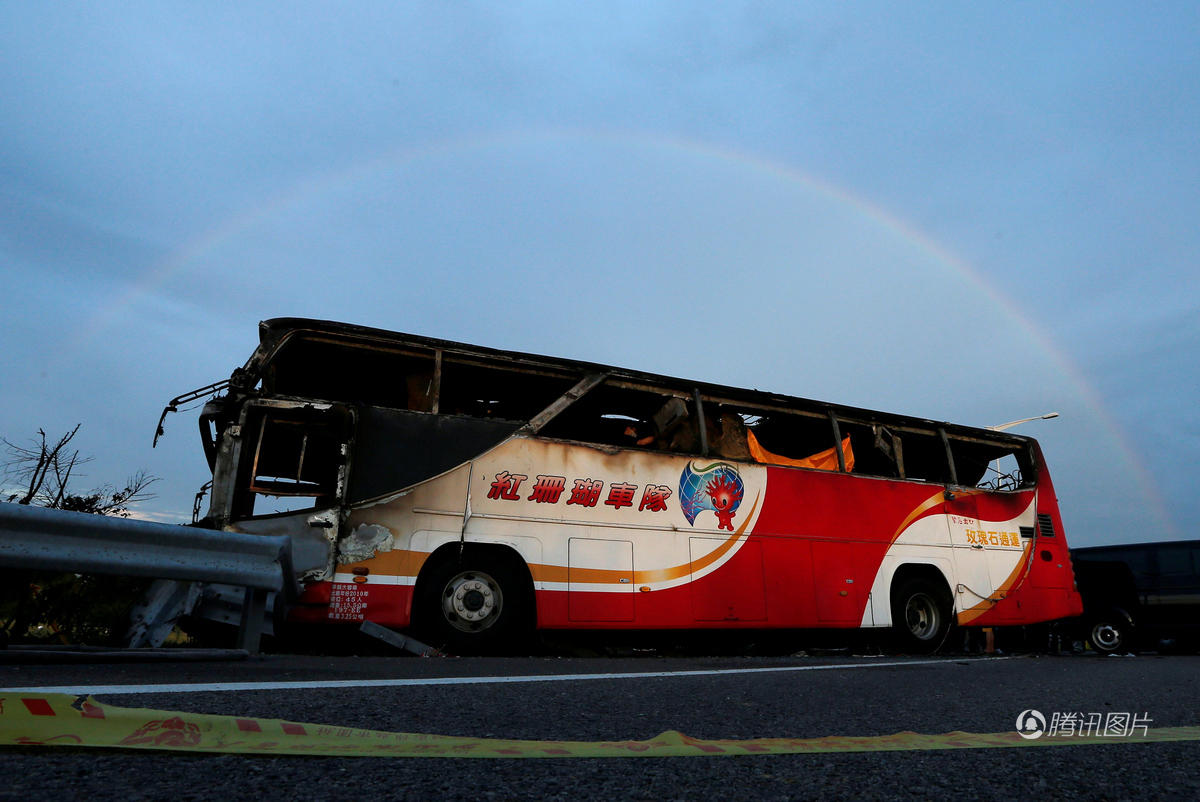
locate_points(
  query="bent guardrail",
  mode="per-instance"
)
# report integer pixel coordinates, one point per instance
(36, 538)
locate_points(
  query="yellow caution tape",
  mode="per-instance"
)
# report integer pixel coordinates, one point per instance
(64, 720)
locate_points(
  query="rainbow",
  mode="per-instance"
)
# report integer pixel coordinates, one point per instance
(317, 186)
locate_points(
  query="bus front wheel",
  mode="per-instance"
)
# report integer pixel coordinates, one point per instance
(474, 605)
(921, 615)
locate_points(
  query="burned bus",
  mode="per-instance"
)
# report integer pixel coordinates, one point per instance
(471, 496)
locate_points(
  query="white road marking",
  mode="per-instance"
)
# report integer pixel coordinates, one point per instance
(207, 687)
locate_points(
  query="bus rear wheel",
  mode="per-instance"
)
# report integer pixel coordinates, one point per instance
(479, 604)
(921, 615)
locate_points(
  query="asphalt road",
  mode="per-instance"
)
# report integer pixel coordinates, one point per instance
(860, 696)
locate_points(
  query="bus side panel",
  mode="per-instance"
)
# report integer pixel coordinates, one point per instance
(625, 532)
(1045, 588)
(384, 546)
(991, 555)
(733, 596)
(632, 539)
(849, 522)
(385, 604)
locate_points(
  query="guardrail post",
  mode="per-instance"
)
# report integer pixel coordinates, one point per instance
(250, 629)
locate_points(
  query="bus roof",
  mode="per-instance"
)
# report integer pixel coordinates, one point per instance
(274, 333)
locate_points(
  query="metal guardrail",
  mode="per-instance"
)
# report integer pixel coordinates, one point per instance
(36, 538)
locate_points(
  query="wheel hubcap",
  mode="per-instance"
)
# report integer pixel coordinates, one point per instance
(922, 616)
(472, 601)
(1106, 636)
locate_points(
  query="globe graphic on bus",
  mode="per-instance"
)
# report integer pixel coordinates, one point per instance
(716, 487)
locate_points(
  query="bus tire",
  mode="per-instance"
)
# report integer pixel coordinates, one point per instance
(921, 615)
(479, 604)
(1110, 632)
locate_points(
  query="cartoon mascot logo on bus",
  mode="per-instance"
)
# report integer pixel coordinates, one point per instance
(717, 487)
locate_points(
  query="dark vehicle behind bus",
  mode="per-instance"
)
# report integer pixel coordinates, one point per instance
(1140, 595)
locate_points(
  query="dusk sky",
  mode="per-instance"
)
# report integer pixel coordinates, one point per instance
(967, 212)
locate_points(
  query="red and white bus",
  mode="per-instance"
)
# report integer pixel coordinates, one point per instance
(471, 495)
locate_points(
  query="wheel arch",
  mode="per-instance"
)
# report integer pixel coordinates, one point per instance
(487, 553)
(913, 570)
(922, 608)
(931, 572)
(1119, 611)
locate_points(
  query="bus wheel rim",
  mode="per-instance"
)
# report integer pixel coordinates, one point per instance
(1106, 636)
(922, 616)
(472, 601)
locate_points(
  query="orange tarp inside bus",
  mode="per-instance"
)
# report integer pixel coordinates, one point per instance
(823, 461)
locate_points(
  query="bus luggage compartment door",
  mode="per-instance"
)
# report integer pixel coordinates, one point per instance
(599, 580)
(736, 591)
(840, 596)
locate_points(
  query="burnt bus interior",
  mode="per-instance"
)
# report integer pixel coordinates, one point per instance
(337, 412)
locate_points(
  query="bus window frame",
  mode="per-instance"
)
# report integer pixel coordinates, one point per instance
(324, 415)
(697, 396)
